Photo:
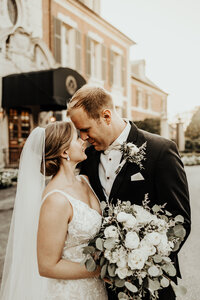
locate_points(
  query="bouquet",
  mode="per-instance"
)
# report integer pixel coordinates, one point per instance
(133, 248)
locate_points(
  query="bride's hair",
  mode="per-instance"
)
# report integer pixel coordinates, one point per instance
(58, 136)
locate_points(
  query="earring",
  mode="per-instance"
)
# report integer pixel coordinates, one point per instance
(68, 158)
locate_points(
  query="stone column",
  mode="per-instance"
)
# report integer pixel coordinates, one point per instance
(180, 136)
(164, 127)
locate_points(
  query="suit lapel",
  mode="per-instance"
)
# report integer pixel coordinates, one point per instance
(95, 180)
(132, 138)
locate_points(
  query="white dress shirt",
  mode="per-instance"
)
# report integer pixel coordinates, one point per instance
(110, 160)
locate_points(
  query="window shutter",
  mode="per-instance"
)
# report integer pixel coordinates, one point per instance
(78, 50)
(111, 77)
(104, 62)
(123, 71)
(88, 56)
(57, 39)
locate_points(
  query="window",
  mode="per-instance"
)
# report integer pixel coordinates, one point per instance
(93, 58)
(67, 44)
(111, 77)
(78, 51)
(117, 69)
(149, 102)
(104, 62)
(139, 98)
(123, 71)
(57, 39)
(146, 104)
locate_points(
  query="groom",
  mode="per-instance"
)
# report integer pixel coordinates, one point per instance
(92, 111)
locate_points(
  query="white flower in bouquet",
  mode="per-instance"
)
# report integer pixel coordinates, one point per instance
(114, 257)
(133, 247)
(130, 222)
(136, 259)
(108, 254)
(132, 240)
(121, 263)
(122, 217)
(142, 215)
(111, 232)
(122, 272)
(164, 246)
(147, 248)
(153, 271)
(154, 238)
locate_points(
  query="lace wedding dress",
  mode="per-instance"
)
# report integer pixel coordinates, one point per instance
(84, 225)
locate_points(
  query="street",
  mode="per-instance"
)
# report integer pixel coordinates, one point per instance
(189, 254)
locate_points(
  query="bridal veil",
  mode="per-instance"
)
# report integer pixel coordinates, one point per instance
(21, 279)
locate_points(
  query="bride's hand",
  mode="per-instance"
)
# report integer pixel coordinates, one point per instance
(97, 272)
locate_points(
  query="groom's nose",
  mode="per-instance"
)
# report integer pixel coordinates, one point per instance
(84, 136)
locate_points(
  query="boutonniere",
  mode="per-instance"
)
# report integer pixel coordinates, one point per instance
(133, 154)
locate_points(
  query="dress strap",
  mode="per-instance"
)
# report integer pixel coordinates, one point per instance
(57, 191)
(87, 181)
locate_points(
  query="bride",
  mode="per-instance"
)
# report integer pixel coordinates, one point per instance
(51, 225)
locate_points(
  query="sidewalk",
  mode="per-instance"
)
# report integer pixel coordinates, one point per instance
(7, 197)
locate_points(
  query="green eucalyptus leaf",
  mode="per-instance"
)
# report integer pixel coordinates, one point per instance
(168, 213)
(179, 231)
(156, 208)
(165, 218)
(109, 243)
(119, 282)
(102, 260)
(131, 287)
(176, 246)
(157, 258)
(88, 250)
(153, 285)
(122, 295)
(103, 271)
(179, 219)
(111, 270)
(99, 244)
(90, 264)
(169, 269)
(164, 282)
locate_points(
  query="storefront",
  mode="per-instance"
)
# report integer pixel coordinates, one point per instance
(35, 98)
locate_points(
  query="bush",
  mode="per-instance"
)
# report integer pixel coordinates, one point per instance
(191, 160)
(7, 178)
(192, 145)
(150, 125)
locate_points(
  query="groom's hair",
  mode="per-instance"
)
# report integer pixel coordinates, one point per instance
(92, 99)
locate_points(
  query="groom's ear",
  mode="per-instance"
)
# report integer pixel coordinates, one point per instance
(107, 116)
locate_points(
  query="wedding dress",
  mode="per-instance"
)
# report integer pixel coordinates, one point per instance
(84, 225)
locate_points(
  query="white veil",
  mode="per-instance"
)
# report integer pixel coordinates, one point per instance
(21, 279)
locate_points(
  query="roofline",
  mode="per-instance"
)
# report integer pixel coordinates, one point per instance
(140, 80)
(98, 16)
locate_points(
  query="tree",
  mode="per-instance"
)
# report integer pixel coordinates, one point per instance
(150, 125)
(193, 129)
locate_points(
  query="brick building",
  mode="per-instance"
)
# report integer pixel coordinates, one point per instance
(67, 34)
(82, 40)
(147, 99)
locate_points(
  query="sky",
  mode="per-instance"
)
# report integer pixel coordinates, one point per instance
(167, 36)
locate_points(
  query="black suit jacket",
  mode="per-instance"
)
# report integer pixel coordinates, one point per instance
(164, 178)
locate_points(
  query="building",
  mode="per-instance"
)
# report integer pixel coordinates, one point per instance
(147, 99)
(69, 42)
(82, 40)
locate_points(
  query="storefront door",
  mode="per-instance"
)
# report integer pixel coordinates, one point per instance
(19, 129)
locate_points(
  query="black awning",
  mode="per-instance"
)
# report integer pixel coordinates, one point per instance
(50, 89)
